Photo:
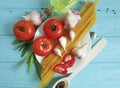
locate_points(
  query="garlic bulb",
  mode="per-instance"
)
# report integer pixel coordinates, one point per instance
(80, 51)
(71, 19)
(57, 52)
(63, 42)
(71, 35)
(35, 17)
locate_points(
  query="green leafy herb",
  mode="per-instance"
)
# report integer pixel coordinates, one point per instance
(19, 46)
(25, 47)
(31, 62)
(22, 45)
(24, 51)
(16, 41)
(38, 68)
(25, 60)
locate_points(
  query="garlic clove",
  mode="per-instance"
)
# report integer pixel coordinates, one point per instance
(63, 41)
(71, 35)
(57, 52)
(35, 17)
(80, 51)
(71, 19)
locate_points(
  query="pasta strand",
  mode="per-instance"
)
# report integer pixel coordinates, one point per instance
(88, 19)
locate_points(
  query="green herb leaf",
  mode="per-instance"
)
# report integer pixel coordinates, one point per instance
(31, 62)
(24, 51)
(29, 42)
(16, 41)
(38, 68)
(19, 46)
(25, 60)
(25, 46)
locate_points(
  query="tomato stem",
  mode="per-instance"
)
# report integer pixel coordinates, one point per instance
(45, 45)
(21, 28)
(53, 27)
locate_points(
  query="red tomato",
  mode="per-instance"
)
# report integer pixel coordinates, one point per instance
(69, 60)
(60, 68)
(53, 28)
(24, 30)
(42, 46)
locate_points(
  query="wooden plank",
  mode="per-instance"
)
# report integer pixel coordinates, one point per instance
(98, 75)
(93, 76)
(107, 24)
(108, 13)
(7, 52)
(108, 27)
(111, 53)
(23, 3)
(103, 72)
(104, 4)
(17, 79)
(10, 16)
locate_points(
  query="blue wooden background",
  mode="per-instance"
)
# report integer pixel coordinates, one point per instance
(102, 72)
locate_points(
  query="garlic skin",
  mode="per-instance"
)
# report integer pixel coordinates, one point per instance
(63, 42)
(57, 52)
(71, 18)
(35, 17)
(71, 35)
(80, 51)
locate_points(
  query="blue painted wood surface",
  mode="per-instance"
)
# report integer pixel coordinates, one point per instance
(102, 72)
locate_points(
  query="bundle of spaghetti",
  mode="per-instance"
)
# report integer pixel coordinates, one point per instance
(70, 46)
(50, 74)
(69, 43)
(48, 58)
(87, 12)
(82, 11)
(88, 19)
